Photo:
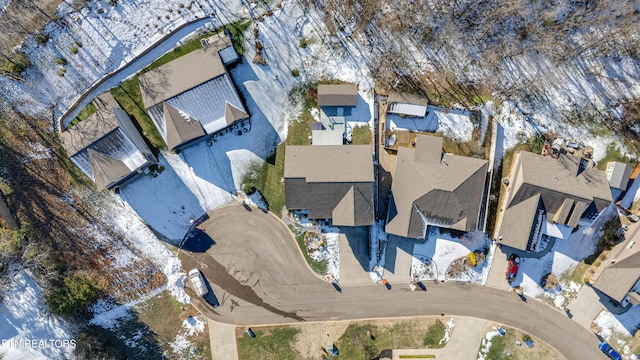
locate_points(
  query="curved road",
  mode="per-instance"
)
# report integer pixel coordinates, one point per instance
(259, 277)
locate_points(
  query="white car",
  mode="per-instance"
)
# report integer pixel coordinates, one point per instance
(197, 281)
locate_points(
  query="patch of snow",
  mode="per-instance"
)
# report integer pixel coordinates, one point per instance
(27, 329)
(4, 4)
(332, 238)
(190, 326)
(109, 315)
(486, 344)
(378, 247)
(453, 123)
(449, 325)
(610, 325)
(433, 257)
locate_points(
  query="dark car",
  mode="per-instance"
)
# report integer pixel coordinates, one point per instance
(607, 349)
(512, 268)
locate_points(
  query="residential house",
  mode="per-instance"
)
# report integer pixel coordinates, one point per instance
(431, 187)
(618, 175)
(106, 146)
(332, 182)
(193, 96)
(620, 281)
(407, 104)
(335, 101)
(549, 196)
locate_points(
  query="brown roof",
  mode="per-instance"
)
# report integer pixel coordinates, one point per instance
(233, 114)
(405, 98)
(337, 94)
(93, 128)
(179, 129)
(617, 280)
(180, 75)
(106, 169)
(432, 188)
(329, 163)
(564, 191)
(332, 181)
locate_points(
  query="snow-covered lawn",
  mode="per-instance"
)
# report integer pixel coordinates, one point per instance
(486, 344)
(190, 326)
(444, 257)
(27, 329)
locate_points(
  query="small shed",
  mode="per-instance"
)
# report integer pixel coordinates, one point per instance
(407, 104)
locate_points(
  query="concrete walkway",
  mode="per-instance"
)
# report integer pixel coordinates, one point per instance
(223, 341)
(465, 340)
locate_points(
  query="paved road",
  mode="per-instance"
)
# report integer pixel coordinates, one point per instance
(260, 277)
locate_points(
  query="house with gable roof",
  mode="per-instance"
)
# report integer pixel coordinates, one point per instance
(549, 196)
(621, 281)
(335, 102)
(106, 146)
(331, 182)
(431, 187)
(193, 96)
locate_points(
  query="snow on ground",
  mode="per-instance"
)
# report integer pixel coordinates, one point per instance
(190, 326)
(332, 238)
(4, 4)
(618, 329)
(108, 314)
(432, 258)
(486, 344)
(453, 123)
(378, 247)
(25, 318)
(449, 325)
(164, 202)
(562, 258)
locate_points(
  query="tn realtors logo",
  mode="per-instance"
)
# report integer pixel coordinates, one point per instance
(39, 343)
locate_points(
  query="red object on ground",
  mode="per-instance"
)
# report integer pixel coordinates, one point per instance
(512, 268)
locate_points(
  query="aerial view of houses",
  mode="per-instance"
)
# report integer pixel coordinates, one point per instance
(299, 180)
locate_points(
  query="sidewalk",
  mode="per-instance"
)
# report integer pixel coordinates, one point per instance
(223, 341)
(463, 344)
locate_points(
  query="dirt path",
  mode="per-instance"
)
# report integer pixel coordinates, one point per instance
(23, 17)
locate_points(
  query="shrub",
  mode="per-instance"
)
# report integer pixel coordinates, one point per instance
(100, 11)
(597, 263)
(74, 50)
(471, 257)
(295, 72)
(73, 296)
(526, 337)
(62, 72)
(41, 38)
(79, 44)
(259, 45)
(304, 43)
(61, 61)
(113, 2)
(259, 59)
(15, 64)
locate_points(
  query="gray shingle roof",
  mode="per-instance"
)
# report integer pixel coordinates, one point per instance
(332, 181)
(432, 188)
(619, 174)
(337, 94)
(617, 280)
(564, 192)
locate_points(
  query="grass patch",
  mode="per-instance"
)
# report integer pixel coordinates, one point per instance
(164, 316)
(128, 96)
(319, 267)
(576, 275)
(361, 135)
(498, 347)
(355, 344)
(614, 155)
(267, 178)
(434, 335)
(84, 114)
(269, 344)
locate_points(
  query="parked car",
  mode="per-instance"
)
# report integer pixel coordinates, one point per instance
(197, 281)
(633, 217)
(512, 268)
(611, 353)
